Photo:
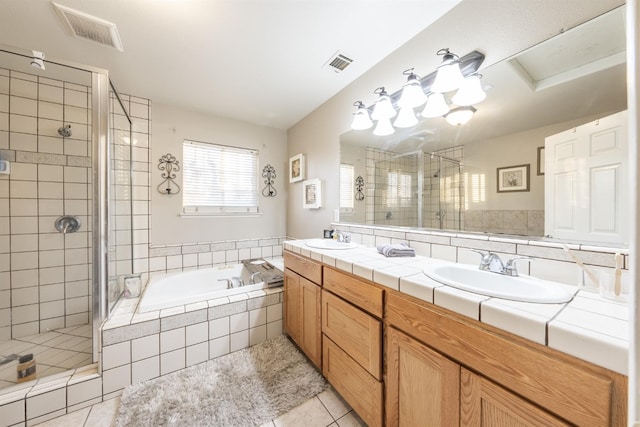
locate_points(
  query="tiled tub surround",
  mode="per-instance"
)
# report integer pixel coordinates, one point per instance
(137, 347)
(520, 222)
(588, 327)
(170, 258)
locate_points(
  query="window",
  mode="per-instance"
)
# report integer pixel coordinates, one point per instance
(346, 188)
(219, 179)
(398, 190)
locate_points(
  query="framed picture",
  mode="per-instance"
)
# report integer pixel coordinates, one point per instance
(296, 168)
(311, 194)
(513, 178)
(540, 160)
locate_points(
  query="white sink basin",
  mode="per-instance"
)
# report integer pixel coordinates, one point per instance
(329, 244)
(522, 288)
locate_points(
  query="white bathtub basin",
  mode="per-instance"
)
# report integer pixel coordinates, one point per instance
(329, 244)
(521, 288)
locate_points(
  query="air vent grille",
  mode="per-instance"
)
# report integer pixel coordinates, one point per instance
(338, 62)
(90, 27)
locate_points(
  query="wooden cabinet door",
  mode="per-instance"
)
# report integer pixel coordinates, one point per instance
(311, 325)
(484, 403)
(423, 387)
(292, 306)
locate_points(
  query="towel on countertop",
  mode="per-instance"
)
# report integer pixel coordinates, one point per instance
(396, 250)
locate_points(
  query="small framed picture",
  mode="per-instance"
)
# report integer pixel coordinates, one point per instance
(296, 168)
(311, 194)
(513, 178)
(540, 160)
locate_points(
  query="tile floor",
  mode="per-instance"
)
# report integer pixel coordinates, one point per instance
(54, 351)
(326, 409)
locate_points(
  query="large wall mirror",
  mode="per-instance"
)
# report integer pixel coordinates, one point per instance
(435, 175)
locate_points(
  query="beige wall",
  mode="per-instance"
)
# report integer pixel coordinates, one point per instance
(499, 29)
(170, 127)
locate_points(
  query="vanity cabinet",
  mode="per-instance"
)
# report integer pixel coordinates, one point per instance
(302, 296)
(448, 369)
(352, 342)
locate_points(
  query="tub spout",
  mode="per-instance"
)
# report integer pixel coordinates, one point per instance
(253, 277)
(237, 282)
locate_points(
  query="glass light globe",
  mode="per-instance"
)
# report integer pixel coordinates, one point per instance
(406, 118)
(470, 92)
(436, 106)
(383, 128)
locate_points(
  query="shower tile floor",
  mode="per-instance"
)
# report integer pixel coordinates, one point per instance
(54, 351)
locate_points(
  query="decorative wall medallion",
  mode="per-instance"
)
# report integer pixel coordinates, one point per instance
(359, 188)
(169, 165)
(269, 173)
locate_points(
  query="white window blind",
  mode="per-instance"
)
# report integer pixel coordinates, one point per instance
(398, 189)
(346, 187)
(219, 179)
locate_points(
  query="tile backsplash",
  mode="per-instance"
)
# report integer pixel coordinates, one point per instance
(550, 262)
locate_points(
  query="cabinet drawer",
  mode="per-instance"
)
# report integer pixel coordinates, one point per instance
(359, 389)
(356, 332)
(304, 267)
(362, 294)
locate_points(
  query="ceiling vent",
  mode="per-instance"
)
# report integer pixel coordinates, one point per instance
(89, 27)
(338, 62)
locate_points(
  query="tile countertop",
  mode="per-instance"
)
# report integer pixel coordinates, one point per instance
(588, 327)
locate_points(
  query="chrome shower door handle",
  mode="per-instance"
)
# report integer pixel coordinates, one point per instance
(67, 224)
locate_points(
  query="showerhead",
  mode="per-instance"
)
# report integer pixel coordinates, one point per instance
(65, 131)
(38, 60)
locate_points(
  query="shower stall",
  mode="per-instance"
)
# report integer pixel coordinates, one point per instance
(416, 189)
(65, 213)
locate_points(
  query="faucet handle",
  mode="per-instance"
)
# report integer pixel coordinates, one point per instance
(510, 266)
(485, 258)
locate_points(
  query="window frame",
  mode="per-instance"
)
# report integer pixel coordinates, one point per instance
(200, 210)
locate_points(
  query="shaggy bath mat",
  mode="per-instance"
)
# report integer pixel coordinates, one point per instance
(247, 388)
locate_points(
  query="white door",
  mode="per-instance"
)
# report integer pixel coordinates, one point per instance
(586, 189)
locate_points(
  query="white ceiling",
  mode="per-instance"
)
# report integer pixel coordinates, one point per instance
(256, 60)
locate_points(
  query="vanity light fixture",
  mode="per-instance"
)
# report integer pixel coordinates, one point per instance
(449, 77)
(384, 128)
(412, 93)
(459, 116)
(470, 91)
(361, 119)
(382, 109)
(436, 106)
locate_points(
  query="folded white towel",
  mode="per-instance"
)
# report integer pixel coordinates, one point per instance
(396, 250)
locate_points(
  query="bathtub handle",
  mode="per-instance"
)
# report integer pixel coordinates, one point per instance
(229, 282)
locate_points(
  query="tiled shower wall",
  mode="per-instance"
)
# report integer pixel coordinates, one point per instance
(388, 203)
(44, 275)
(130, 186)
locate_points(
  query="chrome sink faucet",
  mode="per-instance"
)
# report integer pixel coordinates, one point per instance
(342, 236)
(490, 261)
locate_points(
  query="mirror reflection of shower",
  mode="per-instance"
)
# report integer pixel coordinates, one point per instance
(416, 189)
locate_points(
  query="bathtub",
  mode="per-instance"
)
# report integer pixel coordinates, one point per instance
(187, 287)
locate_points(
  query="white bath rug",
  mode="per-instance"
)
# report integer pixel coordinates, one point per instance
(247, 388)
